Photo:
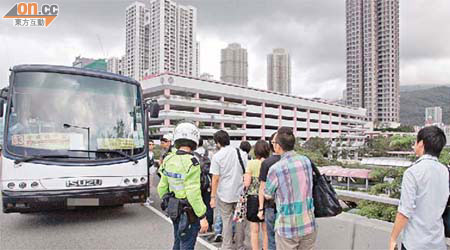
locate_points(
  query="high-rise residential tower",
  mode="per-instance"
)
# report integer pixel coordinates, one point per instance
(372, 28)
(113, 65)
(172, 30)
(433, 115)
(116, 65)
(234, 64)
(136, 45)
(161, 37)
(279, 71)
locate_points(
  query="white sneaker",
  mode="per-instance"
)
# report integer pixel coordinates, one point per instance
(147, 202)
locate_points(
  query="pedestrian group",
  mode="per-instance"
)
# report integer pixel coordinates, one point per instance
(241, 200)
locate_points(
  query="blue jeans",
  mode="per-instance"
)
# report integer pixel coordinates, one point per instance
(187, 241)
(219, 223)
(269, 219)
(209, 211)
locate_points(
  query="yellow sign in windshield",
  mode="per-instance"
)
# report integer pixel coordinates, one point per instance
(116, 143)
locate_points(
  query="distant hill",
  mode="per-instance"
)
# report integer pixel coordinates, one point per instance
(408, 88)
(415, 98)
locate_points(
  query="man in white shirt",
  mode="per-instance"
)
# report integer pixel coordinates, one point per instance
(424, 196)
(227, 185)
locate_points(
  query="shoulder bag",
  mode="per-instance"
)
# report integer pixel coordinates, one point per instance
(326, 202)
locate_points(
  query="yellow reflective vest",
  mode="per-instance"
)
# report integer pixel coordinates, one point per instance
(180, 174)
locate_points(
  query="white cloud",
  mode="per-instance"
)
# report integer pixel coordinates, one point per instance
(313, 31)
(425, 71)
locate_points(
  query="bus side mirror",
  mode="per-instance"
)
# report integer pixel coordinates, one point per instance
(2, 104)
(152, 107)
(3, 99)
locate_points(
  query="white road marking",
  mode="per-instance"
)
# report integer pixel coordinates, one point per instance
(199, 239)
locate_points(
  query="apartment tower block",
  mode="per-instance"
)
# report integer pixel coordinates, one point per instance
(372, 31)
(161, 37)
(279, 71)
(234, 64)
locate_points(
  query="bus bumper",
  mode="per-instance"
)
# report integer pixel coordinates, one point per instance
(36, 201)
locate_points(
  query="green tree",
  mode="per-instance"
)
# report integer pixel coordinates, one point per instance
(444, 158)
(153, 131)
(393, 188)
(377, 210)
(317, 144)
(378, 146)
(315, 156)
(401, 129)
(401, 143)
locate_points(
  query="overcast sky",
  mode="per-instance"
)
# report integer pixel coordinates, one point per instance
(313, 31)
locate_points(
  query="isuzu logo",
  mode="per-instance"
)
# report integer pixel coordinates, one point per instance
(84, 183)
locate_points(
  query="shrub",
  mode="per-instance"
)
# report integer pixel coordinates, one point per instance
(377, 210)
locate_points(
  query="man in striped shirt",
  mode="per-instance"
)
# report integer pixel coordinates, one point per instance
(290, 182)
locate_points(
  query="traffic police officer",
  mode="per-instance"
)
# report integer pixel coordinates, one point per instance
(180, 188)
(166, 145)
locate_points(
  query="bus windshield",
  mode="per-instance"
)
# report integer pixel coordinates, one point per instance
(54, 113)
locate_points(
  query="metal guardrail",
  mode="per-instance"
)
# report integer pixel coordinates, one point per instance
(357, 196)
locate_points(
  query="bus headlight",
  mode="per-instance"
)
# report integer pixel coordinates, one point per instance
(135, 180)
(126, 181)
(22, 185)
(11, 185)
(34, 184)
(143, 179)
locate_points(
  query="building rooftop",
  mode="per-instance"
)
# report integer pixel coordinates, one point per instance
(250, 88)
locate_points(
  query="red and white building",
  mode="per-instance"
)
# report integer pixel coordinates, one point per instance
(247, 113)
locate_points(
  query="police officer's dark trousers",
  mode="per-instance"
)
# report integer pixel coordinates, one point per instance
(187, 239)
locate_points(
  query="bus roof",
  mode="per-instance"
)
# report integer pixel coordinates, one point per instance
(73, 71)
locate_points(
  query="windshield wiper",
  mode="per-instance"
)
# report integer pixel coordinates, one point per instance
(107, 151)
(42, 157)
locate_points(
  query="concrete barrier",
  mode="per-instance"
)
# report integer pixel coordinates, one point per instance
(357, 196)
(354, 232)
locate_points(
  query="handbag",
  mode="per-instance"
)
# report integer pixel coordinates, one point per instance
(446, 215)
(326, 202)
(240, 212)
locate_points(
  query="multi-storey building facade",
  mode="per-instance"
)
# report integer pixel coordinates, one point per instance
(172, 32)
(137, 44)
(372, 28)
(279, 71)
(247, 113)
(234, 64)
(113, 65)
(433, 115)
(123, 65)
(116, 65)
(81, 62)
(447, 134)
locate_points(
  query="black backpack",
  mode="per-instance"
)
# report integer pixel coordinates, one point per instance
(205, 177)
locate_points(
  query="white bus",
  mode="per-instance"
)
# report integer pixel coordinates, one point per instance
(72, 137)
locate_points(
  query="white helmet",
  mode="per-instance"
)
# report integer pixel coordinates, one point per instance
(186, 131)
(168, 136)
